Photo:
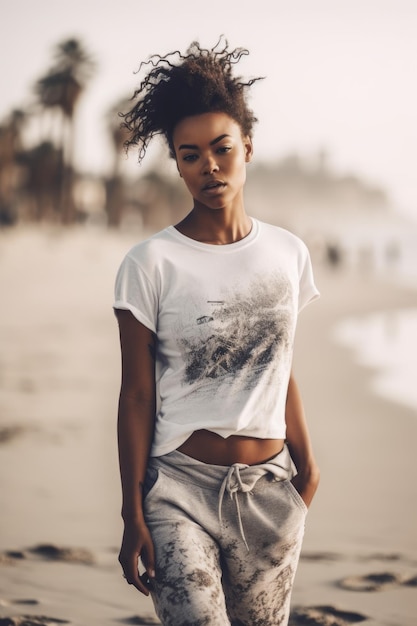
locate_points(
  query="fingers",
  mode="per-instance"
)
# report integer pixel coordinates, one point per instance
(148, 559)
(143, 583)
(137, 544)
(129, 565)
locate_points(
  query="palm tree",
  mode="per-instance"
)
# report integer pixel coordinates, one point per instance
(116, 183)
(11, 145)
(42, 165)
(61, 89)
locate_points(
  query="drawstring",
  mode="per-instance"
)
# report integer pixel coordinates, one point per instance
(233, 483)
(281, 467)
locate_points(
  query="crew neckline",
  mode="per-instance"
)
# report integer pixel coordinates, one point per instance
(218, 248)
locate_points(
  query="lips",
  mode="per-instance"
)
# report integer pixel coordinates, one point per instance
(212, 185)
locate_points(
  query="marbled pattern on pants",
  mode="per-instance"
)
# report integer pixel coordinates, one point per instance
(205, 574)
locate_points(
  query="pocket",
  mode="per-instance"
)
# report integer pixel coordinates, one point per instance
(151, 482)
(295, 496)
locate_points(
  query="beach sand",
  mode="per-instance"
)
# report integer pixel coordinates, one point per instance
(60, 525)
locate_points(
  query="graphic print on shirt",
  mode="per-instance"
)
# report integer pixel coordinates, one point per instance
(242, 337)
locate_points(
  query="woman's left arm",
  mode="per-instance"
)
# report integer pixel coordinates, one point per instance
(299, 444)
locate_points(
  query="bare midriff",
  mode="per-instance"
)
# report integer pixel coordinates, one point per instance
(209, 447)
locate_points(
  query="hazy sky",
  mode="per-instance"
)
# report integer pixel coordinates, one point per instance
(340, 74)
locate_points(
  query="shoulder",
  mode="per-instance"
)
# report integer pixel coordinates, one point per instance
(149, 250)
(283, 237)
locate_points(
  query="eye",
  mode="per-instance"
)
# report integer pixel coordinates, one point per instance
(190, 158)
(224, 149)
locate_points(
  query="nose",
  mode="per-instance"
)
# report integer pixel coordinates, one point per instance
(210, 165)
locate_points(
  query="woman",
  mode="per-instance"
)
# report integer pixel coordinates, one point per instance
(209, 411)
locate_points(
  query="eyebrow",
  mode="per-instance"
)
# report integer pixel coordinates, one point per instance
(190, 146)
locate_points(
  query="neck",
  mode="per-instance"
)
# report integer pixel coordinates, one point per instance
(217, 227)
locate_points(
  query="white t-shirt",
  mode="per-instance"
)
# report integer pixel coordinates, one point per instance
(225, 318)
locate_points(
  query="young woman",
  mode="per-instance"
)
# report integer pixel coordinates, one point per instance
(216, 462)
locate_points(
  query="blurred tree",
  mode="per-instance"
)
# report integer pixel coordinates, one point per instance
(11, 145)
(61, 89)
(116, 185)
(43, 168)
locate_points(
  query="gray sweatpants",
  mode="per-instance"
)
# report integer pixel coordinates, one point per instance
(227, 540)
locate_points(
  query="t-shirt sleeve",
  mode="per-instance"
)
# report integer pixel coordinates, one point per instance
(135, 293)
(307, 288)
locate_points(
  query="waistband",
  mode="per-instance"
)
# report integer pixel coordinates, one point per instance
(232, 479)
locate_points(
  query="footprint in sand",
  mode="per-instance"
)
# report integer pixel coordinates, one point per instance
(8, 433)
(140, 620)
(69, 555)
(320, 556)
(375, 582)
(383, 556)
(49, 552)
(324, 616)
(15, 554)
(31, 620)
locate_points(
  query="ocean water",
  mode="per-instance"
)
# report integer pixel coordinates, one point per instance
(386, 341)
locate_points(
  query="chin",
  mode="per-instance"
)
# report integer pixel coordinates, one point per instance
(213, 206)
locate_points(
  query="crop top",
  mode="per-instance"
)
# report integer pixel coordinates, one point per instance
(225, 318)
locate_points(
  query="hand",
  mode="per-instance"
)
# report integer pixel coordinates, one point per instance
(137, 543)
(306, 484)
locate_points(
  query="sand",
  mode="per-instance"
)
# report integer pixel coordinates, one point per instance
(59, 488)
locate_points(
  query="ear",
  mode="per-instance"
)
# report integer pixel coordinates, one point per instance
(247, 142)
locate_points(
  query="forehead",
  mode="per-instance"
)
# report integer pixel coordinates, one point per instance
(203, 128)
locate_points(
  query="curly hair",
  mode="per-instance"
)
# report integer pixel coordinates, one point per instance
(178, 86)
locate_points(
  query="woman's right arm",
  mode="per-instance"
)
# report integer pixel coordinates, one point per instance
(136, 422)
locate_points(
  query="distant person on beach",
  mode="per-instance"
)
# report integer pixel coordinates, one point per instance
(216, 462)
